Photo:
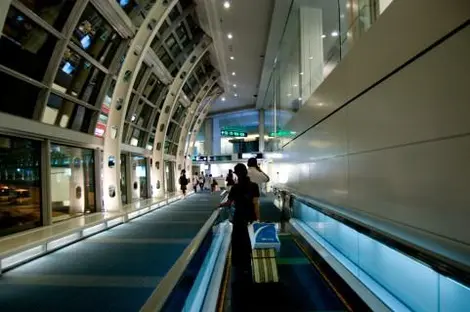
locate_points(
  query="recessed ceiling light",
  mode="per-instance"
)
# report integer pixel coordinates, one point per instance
(232, 58)
(320, 104)
(300, 99)
(227, 4)
(323, 36)
(310, 58)
(288, 94)
(223, 99)
(229, 35)
(234, 85)
(235, 95)
(301, 73)
(334, 34)
(295, 85)
(233, 74)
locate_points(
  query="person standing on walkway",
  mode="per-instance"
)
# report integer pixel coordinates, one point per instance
(183, 181)
(230, 180)
(243, 194)
(257, 176)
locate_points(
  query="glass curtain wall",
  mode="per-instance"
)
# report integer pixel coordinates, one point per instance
(123, 179)
(72, 182)
(20, 184)
(139, 178)
(317, 35)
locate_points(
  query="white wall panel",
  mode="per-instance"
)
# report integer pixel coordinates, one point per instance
(423, 185)
(426, 100)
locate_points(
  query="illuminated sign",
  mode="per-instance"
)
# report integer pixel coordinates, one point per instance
(230, 133)
(282, 133)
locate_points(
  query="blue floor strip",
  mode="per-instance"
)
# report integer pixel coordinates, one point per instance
(116, 270)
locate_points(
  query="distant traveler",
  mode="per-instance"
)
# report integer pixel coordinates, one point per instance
(183, 182)
(257, 176)
(213, 183)
(195, 181)
(243, 194)
(201, 181)
(230, 180)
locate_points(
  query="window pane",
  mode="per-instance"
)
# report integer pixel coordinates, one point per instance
(20, 185)
(77, 77)
(67, 114)
(140, 75)
(139, 181)
(105, 107)
(24, 46)
(94, 35)
(138, 137)
(72, 182)
(54, 13)
(14, 102)
(174, 13)
(123, 183)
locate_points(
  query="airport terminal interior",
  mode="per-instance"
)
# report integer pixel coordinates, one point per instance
(121, 119)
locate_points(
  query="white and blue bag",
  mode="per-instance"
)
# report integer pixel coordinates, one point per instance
(264, 235)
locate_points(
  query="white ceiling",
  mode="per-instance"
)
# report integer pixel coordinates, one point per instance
(249, 22)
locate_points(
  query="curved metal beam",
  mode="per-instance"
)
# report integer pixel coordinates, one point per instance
(122, 92)
(205, 89)
(168, 108)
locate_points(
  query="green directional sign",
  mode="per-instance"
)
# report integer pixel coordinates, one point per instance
(282, 133)
(233, 134)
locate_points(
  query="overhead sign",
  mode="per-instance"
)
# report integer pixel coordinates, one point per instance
(234, 134)
(282, 133)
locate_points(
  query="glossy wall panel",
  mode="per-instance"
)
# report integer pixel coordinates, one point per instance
(426, 100)
(398, 153)
(387, 45)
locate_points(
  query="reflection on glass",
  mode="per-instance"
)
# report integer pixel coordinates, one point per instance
(20, 184)
(25, 46)
(78, 77)
(14, 102)
(72, 182)
(54, 13)
(94, 35)
(123, 183)
(139, 178)
(67, 114)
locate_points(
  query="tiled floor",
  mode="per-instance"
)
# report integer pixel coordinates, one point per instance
(113, 271)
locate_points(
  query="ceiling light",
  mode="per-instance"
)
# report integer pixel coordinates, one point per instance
(342, 16)
(223, 99)
(301, 73)
(229, 35)
(323, 36)
(235, 95)
(288, 94)
(295, 86)
(310, 58)
(233, 74)
(232, 58)
(300, 99)
(227, 4)
(320, 104)
(234, 85)
(334, 34)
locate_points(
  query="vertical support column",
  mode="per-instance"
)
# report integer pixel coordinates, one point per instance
(46, 199)
(216, 137)
(311, 49)
(208, 136)
(98, 162)
(261, 129)
(4, 5)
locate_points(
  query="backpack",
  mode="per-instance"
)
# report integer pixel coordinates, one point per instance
(183, 181)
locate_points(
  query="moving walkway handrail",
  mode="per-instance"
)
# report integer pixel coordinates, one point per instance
(441, 264)
(160, 295)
